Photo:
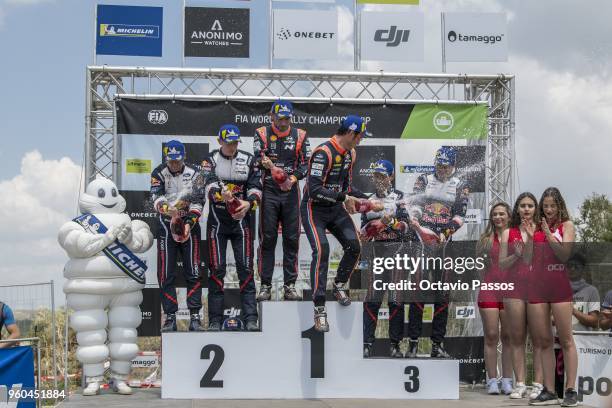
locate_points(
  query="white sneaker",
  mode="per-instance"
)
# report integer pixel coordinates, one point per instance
(536, 389)
(506, 386)
(492, 386)
(519, 391)
(92, 388)
(121, 387)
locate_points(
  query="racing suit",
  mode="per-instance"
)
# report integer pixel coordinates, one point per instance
(441, 207)
(387, 243)
(329, 181)
(289, 150)
(176, 189)
(243, 179)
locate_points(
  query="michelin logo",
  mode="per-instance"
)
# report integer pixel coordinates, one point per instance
(129, 30)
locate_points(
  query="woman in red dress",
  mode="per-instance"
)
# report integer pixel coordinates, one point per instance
(490, 302)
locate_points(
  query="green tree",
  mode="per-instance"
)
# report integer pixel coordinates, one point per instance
(594, 224)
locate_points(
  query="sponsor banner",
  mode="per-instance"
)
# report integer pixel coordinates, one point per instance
(129, 30)
(305, 34)
(387, 36)
(217, 32)
(445, 121)
(142, 360)
(17, 374)
(470, 353)
(151, 313)
(410, 2)
(407, 168)
(138, 166)
(465, 312)
(473, 216)
(594, 369)
(305, 1)
(475, 37)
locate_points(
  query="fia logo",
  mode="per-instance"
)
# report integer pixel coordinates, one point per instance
(393, 37)
(157, 117)
(465, 312)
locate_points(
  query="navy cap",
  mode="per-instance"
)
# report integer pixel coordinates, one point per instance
(282, 109)
(446, 155)
(174, 150)
(384, 166)
(356, 124)
(229, 133)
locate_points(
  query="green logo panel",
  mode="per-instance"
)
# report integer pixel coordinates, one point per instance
(446, 121)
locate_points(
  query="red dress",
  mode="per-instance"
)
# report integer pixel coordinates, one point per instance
(492, 299)
(518, 273)
(548, 281)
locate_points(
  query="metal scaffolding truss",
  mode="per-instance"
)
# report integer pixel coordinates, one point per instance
(105, 82)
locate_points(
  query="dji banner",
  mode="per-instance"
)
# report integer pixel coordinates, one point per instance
(475, 37)
(392, 36)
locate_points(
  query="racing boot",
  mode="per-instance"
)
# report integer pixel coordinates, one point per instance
(93, 386)
(251, 325)
(120, 387)
(320, 319)
(291, 293)
(413, 347)
(265, 293)
(394, 351)
(169, 323)
(340, 294)
(437, 351)
(195, 324)
(367, 350)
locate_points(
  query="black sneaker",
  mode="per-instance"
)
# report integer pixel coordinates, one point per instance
(367, 350)
(394, 351)
(320, 319)
(195, 324)
(214, 326)
(413, 347)
(570, 399)
(169, 324)
(265, 293)
(252, 325)
(340, 294)
(437, 351)
(545, 398)
(290, 293)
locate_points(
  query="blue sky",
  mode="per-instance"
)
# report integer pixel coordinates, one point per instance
(560, 52)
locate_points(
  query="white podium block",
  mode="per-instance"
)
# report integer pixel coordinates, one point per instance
(288, 359)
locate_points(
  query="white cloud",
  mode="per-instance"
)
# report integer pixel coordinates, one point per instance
(33, 205)
(26, 2)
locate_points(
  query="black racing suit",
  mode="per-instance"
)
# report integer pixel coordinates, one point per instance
(289, 150)
(240, 176)
(177, 190)
(386, 244)
(329, 181)
(441, 207)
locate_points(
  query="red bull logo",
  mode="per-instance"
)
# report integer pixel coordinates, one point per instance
(436, 213)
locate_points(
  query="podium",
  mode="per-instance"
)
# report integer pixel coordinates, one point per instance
(288, 359)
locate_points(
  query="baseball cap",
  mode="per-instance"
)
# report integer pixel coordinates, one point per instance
(174, 150)
(229, 133)
(356, 124)
(446, 155)
(282, 108)
(385, 167)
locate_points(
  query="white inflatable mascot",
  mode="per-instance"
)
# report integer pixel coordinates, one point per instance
(104, 275)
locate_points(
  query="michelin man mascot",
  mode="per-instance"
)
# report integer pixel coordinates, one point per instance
(104, 281)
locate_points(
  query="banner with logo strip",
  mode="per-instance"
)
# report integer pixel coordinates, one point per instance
(475, 37)
(594, 368)
(397, 36)
(305, 34)
(406, 134)
(129, 30)
(17, 376)
(217, 32)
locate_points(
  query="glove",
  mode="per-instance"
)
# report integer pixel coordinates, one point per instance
(125, 234)
(191, 219)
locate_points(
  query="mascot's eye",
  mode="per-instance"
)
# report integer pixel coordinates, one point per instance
(114, 192)
(101, 193)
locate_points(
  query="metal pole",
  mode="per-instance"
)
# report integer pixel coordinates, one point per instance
(513, 165)
(66, 341)
(88, 143)
(270, 35)
(38, 371)
(116, 148)
(95, 36)
(183, 35)
(356, 39)
(54, 335)
(443, 30)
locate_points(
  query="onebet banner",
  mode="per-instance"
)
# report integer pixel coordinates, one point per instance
(305, 34)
